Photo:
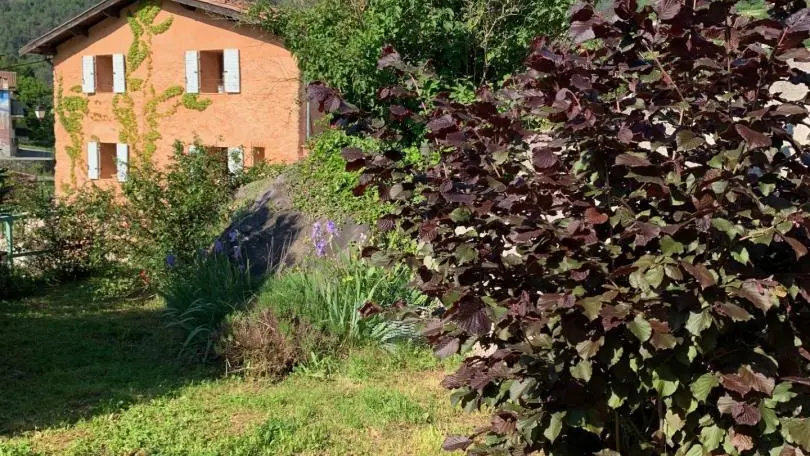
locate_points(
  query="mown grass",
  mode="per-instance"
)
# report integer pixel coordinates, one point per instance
(81, 378)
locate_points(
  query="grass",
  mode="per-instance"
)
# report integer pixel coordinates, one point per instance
(81, 378)
(327, 293)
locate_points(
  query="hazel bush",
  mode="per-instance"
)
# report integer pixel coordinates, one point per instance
(623, 228)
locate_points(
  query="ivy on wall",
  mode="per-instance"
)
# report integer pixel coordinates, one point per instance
(139, 110)
(70, 111)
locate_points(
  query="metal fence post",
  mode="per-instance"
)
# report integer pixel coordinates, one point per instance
(8, 225)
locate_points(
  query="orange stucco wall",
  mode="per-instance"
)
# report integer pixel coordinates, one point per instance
(265, 114)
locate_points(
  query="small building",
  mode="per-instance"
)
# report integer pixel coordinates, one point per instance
(133, 77)
(8, 83)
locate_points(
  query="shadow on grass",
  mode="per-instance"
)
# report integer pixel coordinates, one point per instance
(64, 358)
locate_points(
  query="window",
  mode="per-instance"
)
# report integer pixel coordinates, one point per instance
(107, 161)
(258, 155)
(103, 74)
(213, 71)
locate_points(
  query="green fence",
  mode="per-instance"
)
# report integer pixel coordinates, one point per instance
(7, 223)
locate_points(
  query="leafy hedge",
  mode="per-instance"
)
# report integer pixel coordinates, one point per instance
(638, 269)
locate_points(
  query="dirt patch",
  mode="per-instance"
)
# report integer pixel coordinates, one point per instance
(243, 421)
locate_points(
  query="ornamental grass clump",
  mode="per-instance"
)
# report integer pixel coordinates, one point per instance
(625, 227)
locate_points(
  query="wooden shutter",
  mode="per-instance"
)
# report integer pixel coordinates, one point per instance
(89, 74)
(192, 72)
(93, 161)
(236, 159)
(231, 73)
(119, 74)
(122, 161)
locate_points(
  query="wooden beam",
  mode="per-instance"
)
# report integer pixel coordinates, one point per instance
(112, 12)
(80, 31)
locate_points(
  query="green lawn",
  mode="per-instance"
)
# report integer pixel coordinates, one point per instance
(86, 378)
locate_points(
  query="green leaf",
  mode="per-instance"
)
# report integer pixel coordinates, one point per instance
(640, 328)
(654, 276)
(782, 392)
(770, 419)
(670, 246)
(687, 140)
(711, 437)
(698, 322)
(582, 371)
(674, 423)
(665, 383)
(460, 214)
(740, 254)
(696, 450)
(703, 385)
(589, 348)
(798, 431)
(615, 401)
(465, 253)
(727, 227)
(554, 426)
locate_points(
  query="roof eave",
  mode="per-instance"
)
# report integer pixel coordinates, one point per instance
(80, 24)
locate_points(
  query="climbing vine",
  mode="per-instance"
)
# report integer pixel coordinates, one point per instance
(138, 111)
(70, 111)
(193, 101)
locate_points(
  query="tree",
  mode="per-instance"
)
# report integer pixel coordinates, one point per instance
(472, 41)
(624, 228)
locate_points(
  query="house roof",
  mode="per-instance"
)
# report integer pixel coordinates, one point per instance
(8, 80)
(81, 23)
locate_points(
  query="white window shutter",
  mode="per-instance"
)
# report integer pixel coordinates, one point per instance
(119, 74)
(122, 160)
(89, 74)
(231, 74)
(93, 161)
(236, 159)
(192, 72)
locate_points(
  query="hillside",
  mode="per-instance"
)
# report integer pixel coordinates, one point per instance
(22, 20)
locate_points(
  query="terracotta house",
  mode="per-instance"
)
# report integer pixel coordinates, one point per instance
(133, 77)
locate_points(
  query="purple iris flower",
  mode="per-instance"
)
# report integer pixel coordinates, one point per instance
(320, 247)
(233, 236)
(237, 252)
(171, 260)
(331, 228)
(218, 248)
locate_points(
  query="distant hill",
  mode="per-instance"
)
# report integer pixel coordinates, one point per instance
(22, 20)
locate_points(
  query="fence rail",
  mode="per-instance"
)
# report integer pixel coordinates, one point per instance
(7, 222)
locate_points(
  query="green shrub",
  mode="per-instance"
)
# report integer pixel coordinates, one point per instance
(339, 41)
(328, 294)
(200, 294)
(320, 186)
(78, 235)
(176, 211)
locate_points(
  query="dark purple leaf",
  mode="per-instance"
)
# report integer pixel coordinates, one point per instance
(754, 138)
(667, 9)
(456, 442)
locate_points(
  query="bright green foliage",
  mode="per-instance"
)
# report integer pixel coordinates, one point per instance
(200, 294)
(174, 211)
(193, 101)
(329, 293)
(79, 235)
(339, 41)
(320, 185)
(32, 92)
